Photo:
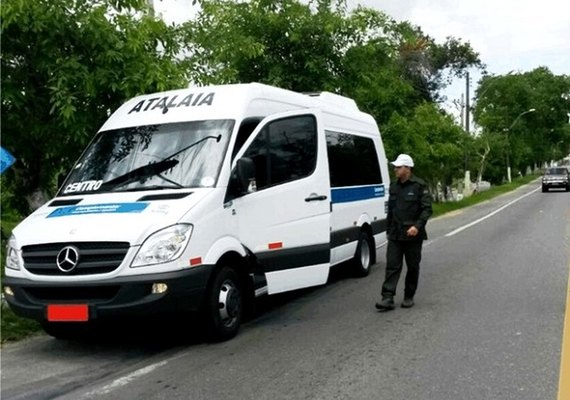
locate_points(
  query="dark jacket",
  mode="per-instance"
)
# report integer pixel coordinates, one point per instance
(409, 205)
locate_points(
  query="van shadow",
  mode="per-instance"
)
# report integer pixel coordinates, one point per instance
(149, 334)
(266, 305)
(162, 334)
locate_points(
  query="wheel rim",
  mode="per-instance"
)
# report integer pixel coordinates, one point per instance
(229, 303)
(365, 254)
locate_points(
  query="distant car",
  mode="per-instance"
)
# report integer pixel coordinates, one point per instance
(556, 177)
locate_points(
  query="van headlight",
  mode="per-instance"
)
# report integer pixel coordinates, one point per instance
(163, 246)
(12, 254)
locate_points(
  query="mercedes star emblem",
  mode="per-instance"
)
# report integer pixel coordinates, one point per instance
(67, 258)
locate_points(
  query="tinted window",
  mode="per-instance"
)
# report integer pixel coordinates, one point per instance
(284, 150)
(556, 171)
(352, 160)
(245, 129)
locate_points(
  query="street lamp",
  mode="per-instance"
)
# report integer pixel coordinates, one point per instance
(508, 130)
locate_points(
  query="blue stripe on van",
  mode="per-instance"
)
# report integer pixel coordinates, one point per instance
(345, 195)
(109, 208)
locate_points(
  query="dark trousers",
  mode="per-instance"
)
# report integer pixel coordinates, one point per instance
(395, 253)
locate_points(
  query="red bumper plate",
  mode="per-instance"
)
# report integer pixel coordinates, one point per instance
(68, 312)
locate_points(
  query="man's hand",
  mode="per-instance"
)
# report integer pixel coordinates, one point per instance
(412, 231)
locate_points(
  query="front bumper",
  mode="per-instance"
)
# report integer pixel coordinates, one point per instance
(115, 298)
(555, 184)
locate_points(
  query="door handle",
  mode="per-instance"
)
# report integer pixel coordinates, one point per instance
(315, 197)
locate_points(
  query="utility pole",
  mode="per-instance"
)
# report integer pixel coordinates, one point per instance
(467, 101)
(461, 107)
(467, 180)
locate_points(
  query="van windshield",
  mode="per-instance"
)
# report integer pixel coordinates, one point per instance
(168, 156)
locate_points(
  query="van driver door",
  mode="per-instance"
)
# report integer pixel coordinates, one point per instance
(284, 219)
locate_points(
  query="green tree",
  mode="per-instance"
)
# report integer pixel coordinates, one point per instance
(391, 69)
(433, 139)
(320, 45)
(66, 65)
(528, 138)
(430, 66)
(548, 136)
(284, 43)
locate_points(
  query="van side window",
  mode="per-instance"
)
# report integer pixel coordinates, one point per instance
(284, 150)
(247, 126)
(353, 160)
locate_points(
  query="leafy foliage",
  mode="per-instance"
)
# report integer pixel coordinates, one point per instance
(314, 46)
(66, 65)
(388, 68)
(526, 113)
(439, 146)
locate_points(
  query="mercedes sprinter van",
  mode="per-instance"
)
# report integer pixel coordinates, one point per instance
(201, 200)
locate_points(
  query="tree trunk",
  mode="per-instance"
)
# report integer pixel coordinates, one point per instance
(37, 199)
(483, 162)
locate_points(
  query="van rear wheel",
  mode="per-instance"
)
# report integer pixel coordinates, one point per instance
(224, 305)
(364, 256)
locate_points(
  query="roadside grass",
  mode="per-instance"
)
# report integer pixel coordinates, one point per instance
(14, 328)
(494, 191)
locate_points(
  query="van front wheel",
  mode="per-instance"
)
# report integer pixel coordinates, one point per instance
(224, 305)
(364, 257)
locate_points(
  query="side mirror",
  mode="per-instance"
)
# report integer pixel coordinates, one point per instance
(243, 177)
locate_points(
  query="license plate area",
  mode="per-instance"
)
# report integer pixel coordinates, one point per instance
(67, 313)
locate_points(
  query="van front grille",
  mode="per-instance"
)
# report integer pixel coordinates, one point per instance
(93, 258)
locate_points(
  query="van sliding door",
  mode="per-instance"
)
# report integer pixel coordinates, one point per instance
(285, 221)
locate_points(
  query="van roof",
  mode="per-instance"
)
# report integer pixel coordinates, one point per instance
(232, 101)
(335, 100)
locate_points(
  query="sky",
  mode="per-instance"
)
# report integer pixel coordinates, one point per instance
(509, 35)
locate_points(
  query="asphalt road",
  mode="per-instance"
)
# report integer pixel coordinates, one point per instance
(488, 324)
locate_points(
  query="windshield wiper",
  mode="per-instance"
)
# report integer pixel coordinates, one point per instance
(153, 187)
(141, 172)
(218, 138)
(154, 168)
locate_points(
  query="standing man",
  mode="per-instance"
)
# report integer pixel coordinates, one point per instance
(409, 207)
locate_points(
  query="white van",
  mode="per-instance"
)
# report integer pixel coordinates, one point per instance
(202, 199)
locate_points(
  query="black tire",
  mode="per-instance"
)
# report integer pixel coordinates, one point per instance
(364, 257)
(224, 305)
(544, 189)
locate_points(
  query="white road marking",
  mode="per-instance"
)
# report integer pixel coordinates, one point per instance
(469, 225)
(117, 383)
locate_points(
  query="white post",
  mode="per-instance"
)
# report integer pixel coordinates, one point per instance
(467, 184)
